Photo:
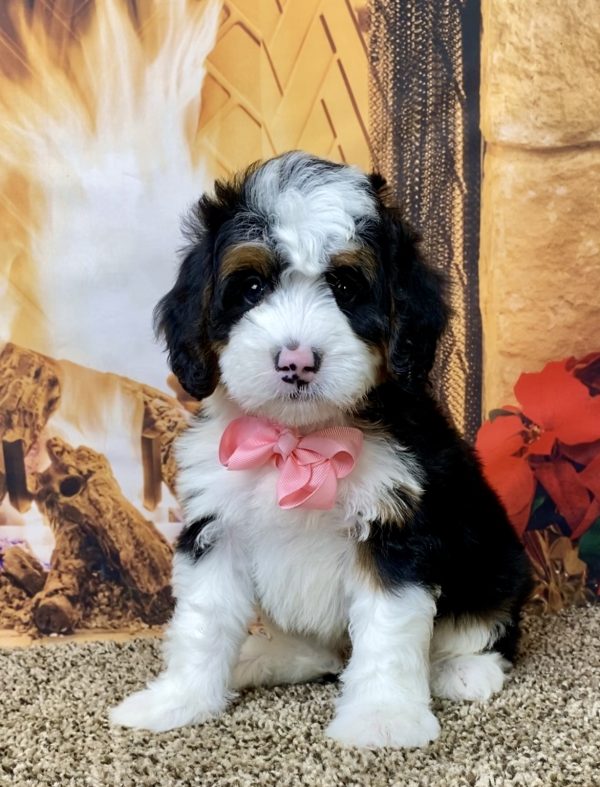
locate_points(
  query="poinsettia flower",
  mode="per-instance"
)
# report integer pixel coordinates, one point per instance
(560, 406)
(558, 410)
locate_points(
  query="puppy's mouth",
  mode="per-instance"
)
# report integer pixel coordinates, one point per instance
(298, 391)
(302, 392)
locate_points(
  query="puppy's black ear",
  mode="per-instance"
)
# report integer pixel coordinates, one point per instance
(418, 309)
(182, 318)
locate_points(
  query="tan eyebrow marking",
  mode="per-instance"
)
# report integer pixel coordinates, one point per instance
(246, 256)
(362, 259)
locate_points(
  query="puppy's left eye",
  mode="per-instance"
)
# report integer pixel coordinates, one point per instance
(346, 285)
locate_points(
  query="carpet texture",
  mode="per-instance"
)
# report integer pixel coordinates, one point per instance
(543, 729)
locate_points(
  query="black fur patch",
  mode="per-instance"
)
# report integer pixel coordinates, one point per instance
(458, 540)
(185, 316)
(188, 541)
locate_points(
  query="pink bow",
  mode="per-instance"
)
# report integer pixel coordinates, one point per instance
(309, 466)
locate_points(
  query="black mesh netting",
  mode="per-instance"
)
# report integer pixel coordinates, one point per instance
(426, 142)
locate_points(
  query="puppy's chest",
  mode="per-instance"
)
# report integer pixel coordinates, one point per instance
(303, 562)
(385, 472)
(301, 568)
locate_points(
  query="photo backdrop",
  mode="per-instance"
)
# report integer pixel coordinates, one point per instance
(117, 114)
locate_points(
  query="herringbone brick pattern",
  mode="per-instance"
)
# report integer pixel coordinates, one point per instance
(286, 75)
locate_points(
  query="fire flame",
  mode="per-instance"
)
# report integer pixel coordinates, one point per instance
(97, 159)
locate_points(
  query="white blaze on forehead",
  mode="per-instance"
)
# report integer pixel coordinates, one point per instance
(312, 209)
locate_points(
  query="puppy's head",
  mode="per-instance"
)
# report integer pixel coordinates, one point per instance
(301, 289)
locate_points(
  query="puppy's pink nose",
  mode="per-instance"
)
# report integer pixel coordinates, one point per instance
(297, 366)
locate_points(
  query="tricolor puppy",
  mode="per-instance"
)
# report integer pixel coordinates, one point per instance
(324, 492)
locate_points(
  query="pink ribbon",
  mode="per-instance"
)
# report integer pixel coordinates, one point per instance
(309, 466)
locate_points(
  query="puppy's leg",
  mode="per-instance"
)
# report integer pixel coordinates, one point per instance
(214, 605)
(271, 657)
(463, 666)
(385, 698)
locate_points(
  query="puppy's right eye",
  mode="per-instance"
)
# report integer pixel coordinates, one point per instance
(252, 288)
(243, 290)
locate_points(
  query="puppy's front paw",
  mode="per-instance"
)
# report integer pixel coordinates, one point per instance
(373, 726)
(158, 710)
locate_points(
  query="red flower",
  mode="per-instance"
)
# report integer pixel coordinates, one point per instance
(559, 421)
(560, 406)
(500, 444)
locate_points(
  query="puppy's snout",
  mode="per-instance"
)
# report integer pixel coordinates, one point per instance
(297, 364)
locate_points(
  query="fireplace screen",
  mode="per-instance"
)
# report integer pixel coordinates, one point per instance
(116, 116)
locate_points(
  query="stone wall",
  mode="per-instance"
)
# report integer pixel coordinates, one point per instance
(540, 231)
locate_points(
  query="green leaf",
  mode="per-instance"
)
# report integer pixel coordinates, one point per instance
(539, 501)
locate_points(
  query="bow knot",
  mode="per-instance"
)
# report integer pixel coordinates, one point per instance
(309, 466)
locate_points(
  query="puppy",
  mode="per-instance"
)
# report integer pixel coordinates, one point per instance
(323, 489)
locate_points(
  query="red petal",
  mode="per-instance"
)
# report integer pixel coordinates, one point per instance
(591, 515)
(581, 423)
(512, 479)
(501, 437)
(590, 476)
(520, 519)
(536, 392)
(562, 482)
(583, 454)
(543, 445)
(559, 403)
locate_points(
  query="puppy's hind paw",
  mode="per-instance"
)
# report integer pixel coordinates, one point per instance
(155, 710)
(475, 677)
(371, 727)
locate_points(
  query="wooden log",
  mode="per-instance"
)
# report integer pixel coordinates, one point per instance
(88, 513)
(59, 605)
(183, 397)
(13, 454)
(166, 418)
(29, 394)
(152, 469)
(23, 569)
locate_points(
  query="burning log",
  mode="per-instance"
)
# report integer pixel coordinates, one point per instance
(29, 394)
(91, 519)
(24, 570)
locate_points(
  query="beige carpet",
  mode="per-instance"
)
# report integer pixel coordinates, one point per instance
(543, 730)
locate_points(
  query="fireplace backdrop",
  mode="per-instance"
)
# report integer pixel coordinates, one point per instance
(117, 114)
